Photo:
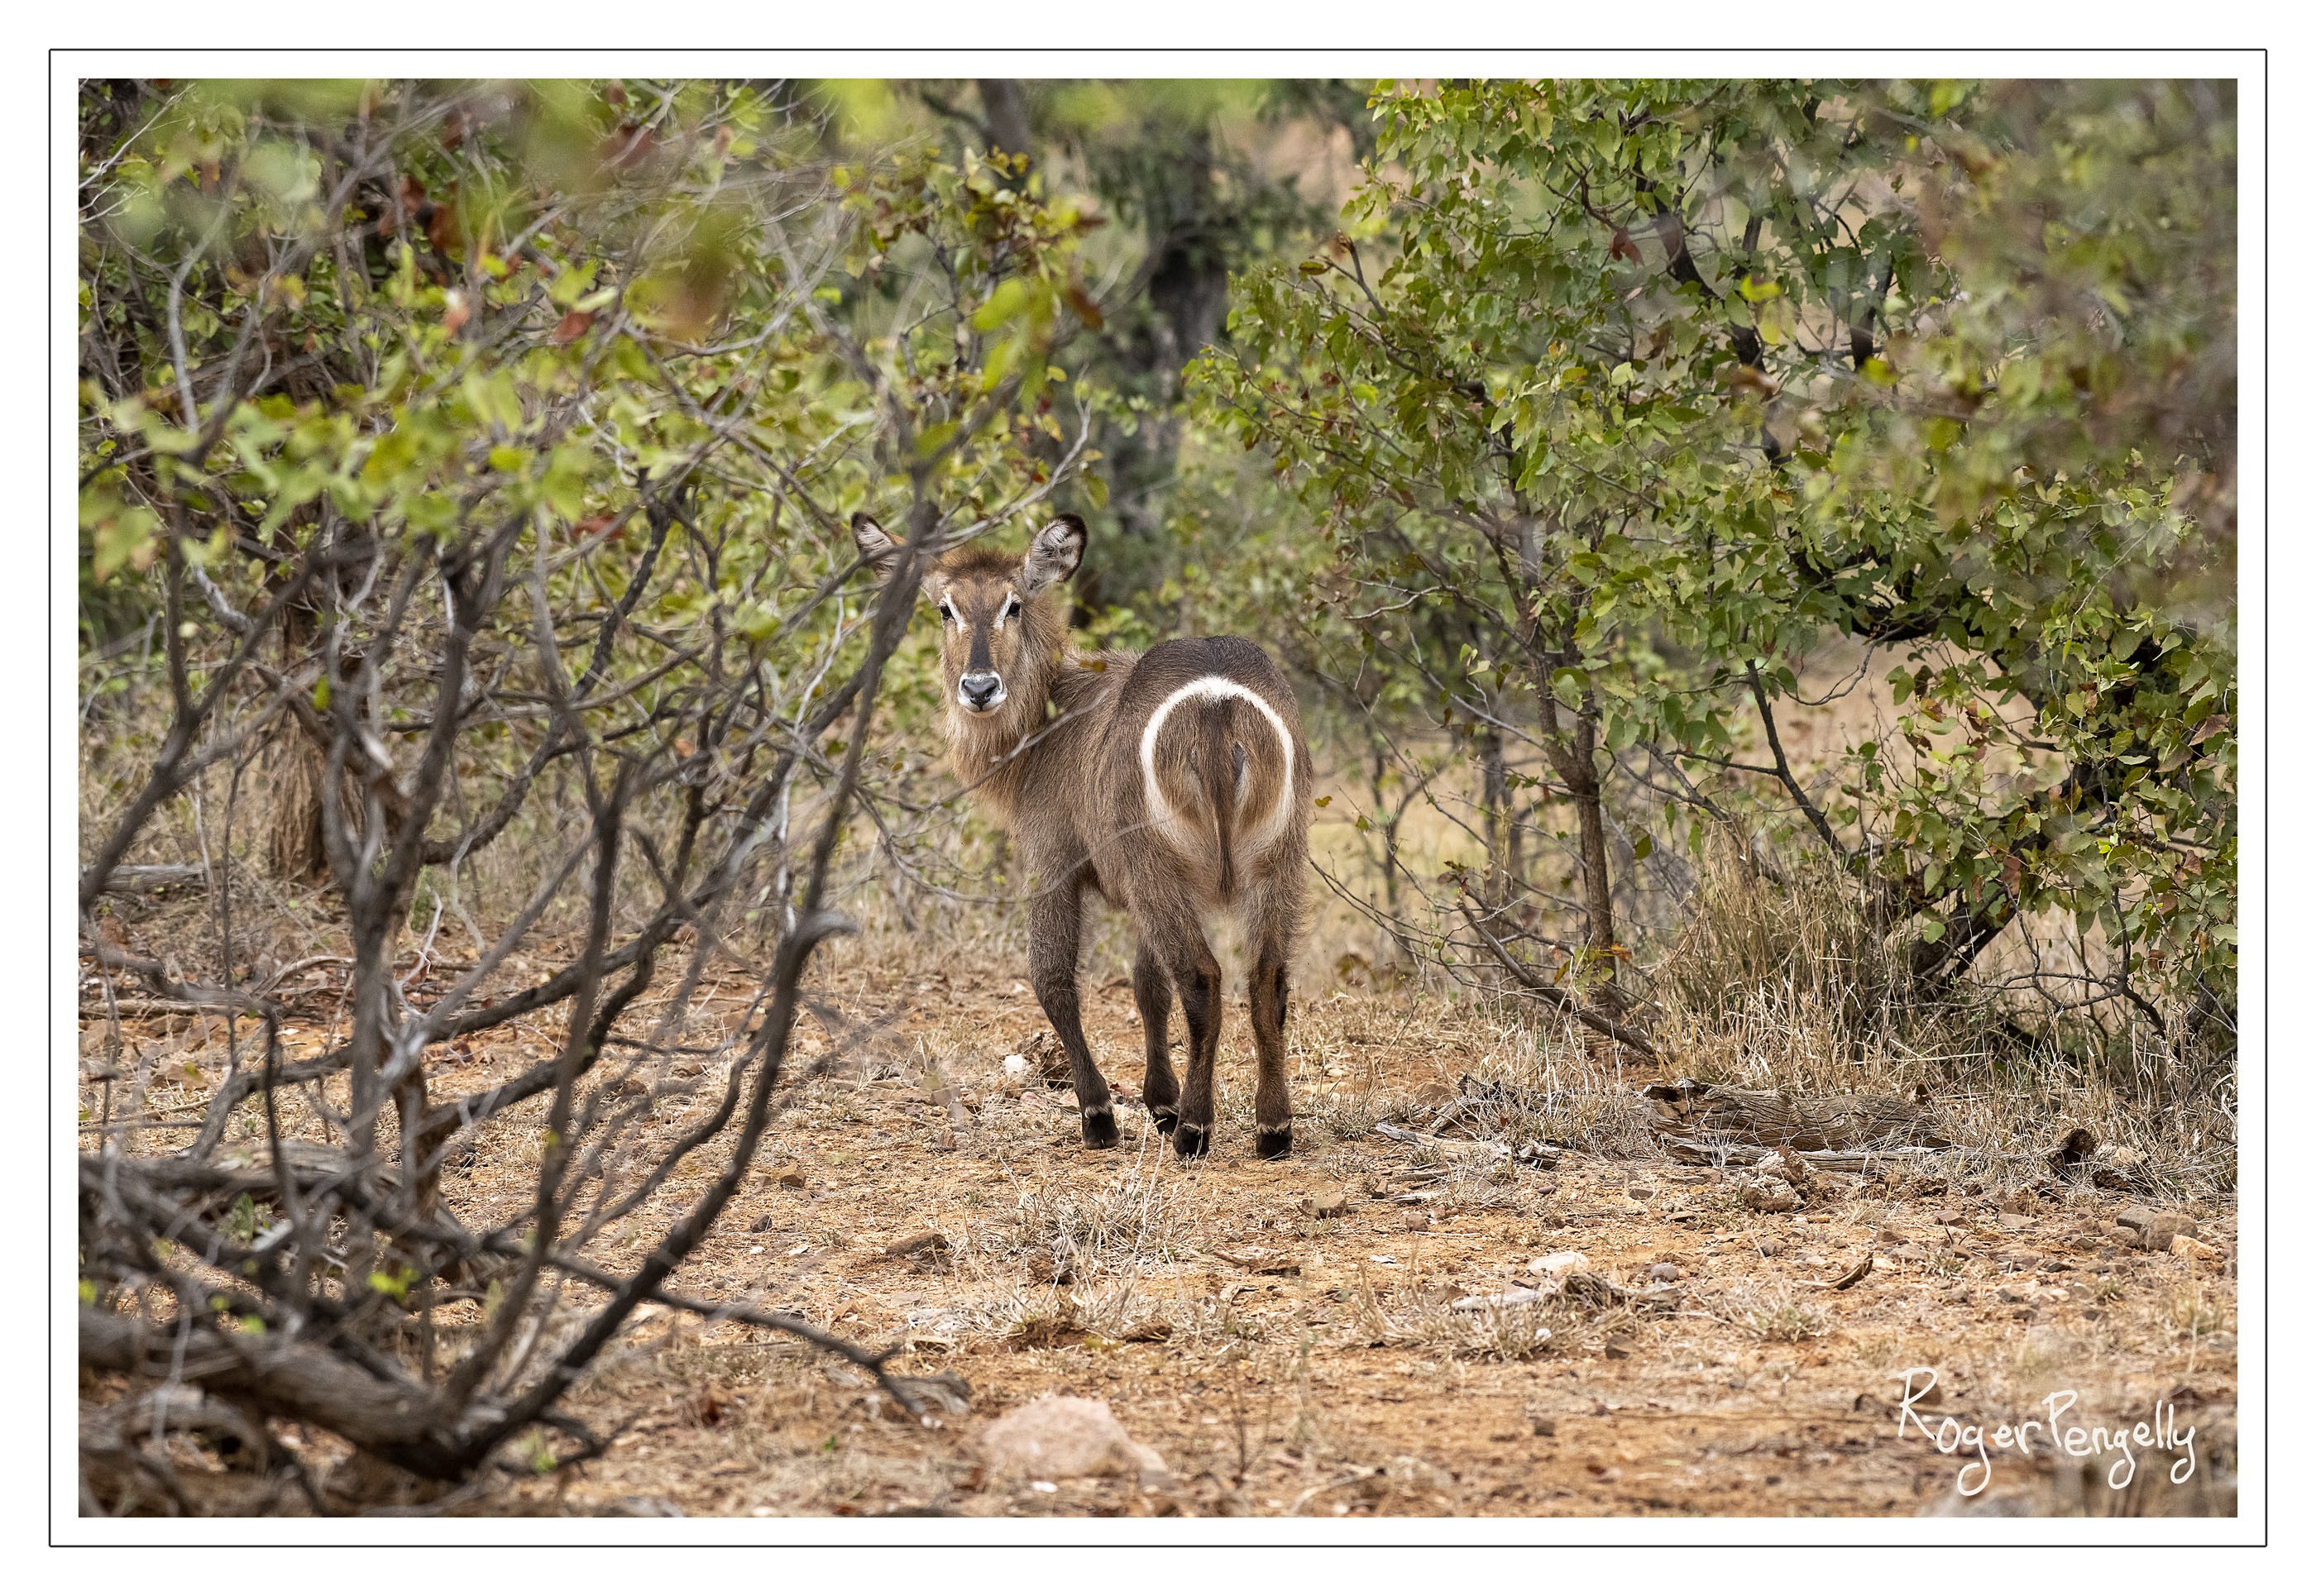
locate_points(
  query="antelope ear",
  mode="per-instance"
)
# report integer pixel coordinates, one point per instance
(1054, 554)
(876, 546)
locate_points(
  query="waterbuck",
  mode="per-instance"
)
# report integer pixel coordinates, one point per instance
(1174, 784)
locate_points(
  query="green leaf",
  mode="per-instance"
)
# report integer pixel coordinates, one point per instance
(565, 485)
(1010, 300)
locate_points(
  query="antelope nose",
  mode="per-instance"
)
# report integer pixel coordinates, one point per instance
(980, 689)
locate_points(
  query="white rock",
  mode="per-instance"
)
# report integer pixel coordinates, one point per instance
(1066, 1438)
(1015, 1065)
(1519, 1297)
(1557, 1262)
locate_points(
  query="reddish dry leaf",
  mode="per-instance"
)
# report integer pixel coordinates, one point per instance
(630, 146)
(574, 325)
(442, 230)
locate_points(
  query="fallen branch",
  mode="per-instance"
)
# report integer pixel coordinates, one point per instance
(151, 878)
(1540, 1154)
(1738, 1154)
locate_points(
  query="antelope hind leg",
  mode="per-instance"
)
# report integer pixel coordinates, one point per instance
(1266, 1004)
(1153, 996)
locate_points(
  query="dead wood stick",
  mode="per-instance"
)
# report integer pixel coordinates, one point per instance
(1746, 1156)
(938, 1088)
(1565, 1002)
(1468, 1149)
(146, 878)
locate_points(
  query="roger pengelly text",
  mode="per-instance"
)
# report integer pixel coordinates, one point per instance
(2124, 1440)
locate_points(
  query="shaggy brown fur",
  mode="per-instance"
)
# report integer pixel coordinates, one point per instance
(1176, 784)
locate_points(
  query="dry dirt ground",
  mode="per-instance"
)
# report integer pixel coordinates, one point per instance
(1288, 1359)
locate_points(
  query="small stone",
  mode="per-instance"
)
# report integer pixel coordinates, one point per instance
(2153, 1228)
(1768, 1246)
(1015, 1067)
(1770, 1196)
(1619, 1347)
(788, 1175)
(1664, 1273)
(1890, 1237)
(2188, 1246)
(1547, 1426)
(1067, 1437)
(926, 1241)
(1326, 1205)
(764, 1223)
(1912, 1253)
(1418, 1220)
(1557, 1262)
(1947, 1217)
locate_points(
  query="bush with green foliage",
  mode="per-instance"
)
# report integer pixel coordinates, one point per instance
(1658, 387)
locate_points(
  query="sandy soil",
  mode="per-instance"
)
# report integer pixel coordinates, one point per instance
(1285, 1359)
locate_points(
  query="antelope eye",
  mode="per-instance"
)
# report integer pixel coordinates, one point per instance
(1012, 607)
(947, 614)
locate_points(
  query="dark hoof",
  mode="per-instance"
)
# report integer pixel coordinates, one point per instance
(1189, 1141)
(1273, 1144)
(1100, 1128)
(1166, 1120)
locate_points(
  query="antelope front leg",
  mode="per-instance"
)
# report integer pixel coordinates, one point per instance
(1153, 996)
(1266, 1003)
(1054, 973)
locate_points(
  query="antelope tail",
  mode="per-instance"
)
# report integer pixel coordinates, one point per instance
(1220, 763)
(1223, 763)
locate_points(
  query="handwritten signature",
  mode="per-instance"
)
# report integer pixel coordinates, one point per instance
(2160, 1432)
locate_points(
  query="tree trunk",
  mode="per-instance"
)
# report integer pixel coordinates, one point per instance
(1570, 753)
(1495, 817)
(293, 811)
(292, 827)
(1005, 113)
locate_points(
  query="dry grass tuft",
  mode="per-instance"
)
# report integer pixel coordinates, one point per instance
(1137, 1220)
(1771, 1312)
(1796, 988)
(1501, 1333)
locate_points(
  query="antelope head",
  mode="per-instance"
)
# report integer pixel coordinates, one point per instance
(999, 641)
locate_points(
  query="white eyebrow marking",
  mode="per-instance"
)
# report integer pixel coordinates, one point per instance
(1176, 829)
(1012, 598)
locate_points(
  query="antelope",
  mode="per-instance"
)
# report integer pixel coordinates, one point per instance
(1174, 785)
